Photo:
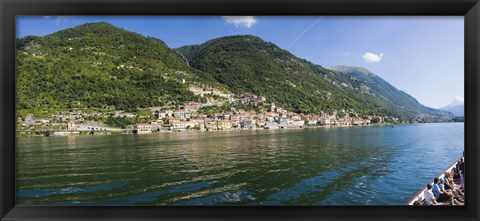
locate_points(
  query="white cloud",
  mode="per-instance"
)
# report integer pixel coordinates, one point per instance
(372, 58)
(239, 21)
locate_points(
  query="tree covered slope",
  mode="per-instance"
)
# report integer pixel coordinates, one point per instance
(99, 65)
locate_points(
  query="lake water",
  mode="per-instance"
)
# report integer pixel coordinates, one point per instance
(320, 166)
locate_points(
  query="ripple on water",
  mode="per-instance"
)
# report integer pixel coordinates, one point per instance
(36, 193)
(341, 166)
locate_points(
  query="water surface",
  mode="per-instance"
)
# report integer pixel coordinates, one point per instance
(320, 166)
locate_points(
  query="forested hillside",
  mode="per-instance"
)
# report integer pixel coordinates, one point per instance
(249, 64)
(98, 65)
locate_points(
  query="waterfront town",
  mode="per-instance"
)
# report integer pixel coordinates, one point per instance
(191, 117)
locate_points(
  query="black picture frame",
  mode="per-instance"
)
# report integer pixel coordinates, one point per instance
(470, 9)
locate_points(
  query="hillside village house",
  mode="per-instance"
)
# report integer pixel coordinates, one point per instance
(284, 121)
(174, 122)
(156, 124)
(71, 126)
(271, 125)
(182, 114)
(181, 125)
(312, 122)
(297, 123)
(248, 123)
(295, 117)
(272, 107)
(143, 128)
(224, 124)
(210, 124)
(357, 121)
(191, 106)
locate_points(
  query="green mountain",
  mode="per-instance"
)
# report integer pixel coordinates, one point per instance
(97, 65)
(249, 64)
(386, 95)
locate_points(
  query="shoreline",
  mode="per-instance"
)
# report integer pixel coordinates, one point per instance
(46, 133)
(61, 133)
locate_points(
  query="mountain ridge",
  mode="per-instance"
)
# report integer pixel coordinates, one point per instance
(98, 65)
(246, 63)
(398, 98)
(357, 83)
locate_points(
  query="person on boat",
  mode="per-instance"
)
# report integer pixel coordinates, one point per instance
(439, 194)
(456, 173)
(461, 167)
(429, 197)
(450, 185)
(455, 198)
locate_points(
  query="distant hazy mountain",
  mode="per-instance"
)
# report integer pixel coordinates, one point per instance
(457, 107)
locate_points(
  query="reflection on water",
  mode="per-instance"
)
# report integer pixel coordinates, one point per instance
(324, 166)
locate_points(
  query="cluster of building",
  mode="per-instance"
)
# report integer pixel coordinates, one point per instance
(72, 122)
(206, 91)
(188, 118)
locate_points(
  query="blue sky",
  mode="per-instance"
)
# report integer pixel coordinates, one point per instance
(423, 56)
